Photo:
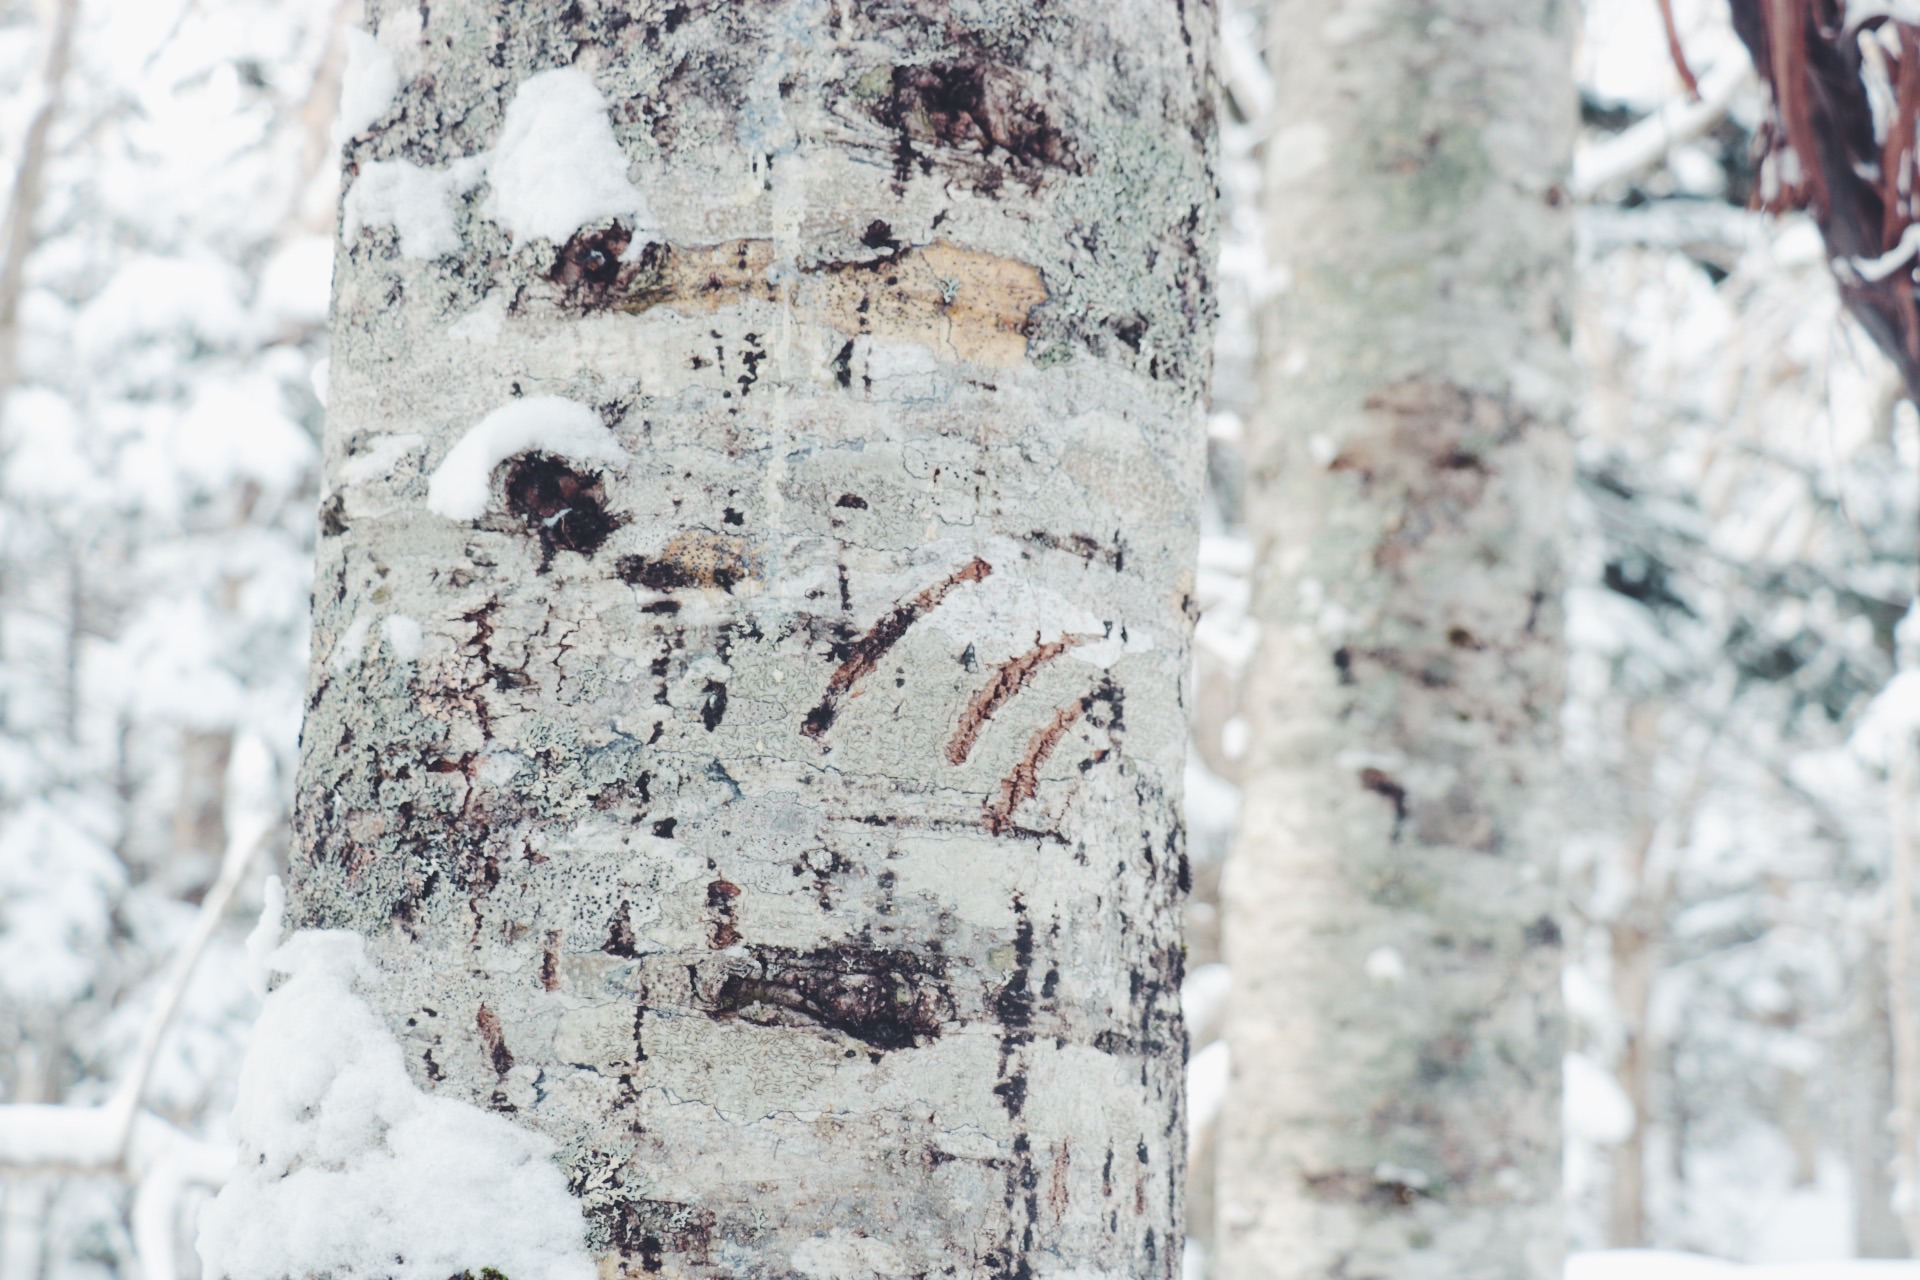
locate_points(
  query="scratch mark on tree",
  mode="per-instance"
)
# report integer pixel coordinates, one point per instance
(870, 648)
(1008, 679)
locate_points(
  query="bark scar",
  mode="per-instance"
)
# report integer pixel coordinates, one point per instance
(1019, 786)
(870, 648)
(1008, 679)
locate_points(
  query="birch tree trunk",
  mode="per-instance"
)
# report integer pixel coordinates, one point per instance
(746, 720)
(1395, 1030)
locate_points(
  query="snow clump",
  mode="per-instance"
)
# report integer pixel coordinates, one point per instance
(554, 425)
(350, 1171)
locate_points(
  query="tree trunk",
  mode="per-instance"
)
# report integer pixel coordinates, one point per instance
(1395, 1032)
(753, 604)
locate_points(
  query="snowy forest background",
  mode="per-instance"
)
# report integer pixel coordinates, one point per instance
(1745, 540)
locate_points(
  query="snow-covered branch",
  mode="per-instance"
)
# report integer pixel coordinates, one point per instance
(1648, 142)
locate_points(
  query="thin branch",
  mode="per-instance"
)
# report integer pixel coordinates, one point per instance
(242, 847)
(1649, 141)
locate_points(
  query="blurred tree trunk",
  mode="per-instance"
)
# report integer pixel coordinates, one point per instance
(1396, 1032)
(29, 176)
(1877, 1229)
(760, 773)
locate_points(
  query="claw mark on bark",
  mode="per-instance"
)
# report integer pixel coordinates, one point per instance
(1008, 679)
(490, 1035)
(1019, 786)
(870, 648)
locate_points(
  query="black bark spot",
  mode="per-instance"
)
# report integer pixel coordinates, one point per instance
(1382, 784)
(713, 707)
(851, 501)
(886, 999)
(565, 508)
(333, 516)
(620, 937)
(651, 1229)
(971, 106)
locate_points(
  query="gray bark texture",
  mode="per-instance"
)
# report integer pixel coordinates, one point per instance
(775, 800)
(1395, 1029)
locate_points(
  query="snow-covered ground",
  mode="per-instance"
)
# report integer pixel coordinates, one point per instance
(1654, 1264)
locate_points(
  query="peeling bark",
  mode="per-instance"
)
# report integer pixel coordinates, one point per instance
(651, 794)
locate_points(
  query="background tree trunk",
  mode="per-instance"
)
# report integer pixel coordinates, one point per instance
(1395, 1031)
(753, 756)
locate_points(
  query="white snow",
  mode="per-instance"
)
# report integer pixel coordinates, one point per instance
(264, 940)
(378, 458)
(1203, 1000)
(58, 886)
(1386, 967)
(1658, 1264)
(1890, 721)
(1593, 1105)
(296, 285)
(417, 202)
(1207, 1074)
(462, 483)
(367, 87)
(402, 635)
(352, 643)
(350, 1171)
(557, 166)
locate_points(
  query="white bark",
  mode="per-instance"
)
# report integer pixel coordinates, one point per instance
(1395, 1032)
(769, 794)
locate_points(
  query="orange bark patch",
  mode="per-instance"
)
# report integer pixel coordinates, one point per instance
(961, 303)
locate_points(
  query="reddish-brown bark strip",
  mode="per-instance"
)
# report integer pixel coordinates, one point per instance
(1678, 54)
(1853, 177)
(1008, 679)
(1018, 787)
(870, 648)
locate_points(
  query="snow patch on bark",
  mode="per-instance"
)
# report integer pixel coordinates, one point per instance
(351, 1171)
(416, 202)
(351, 644)
(555, 425)
(367, 86)
(557, 166)
(403, 636)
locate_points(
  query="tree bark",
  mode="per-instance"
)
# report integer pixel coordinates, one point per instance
(766, 784)
(1396, 1032)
